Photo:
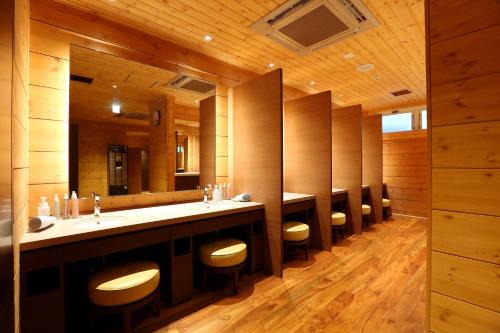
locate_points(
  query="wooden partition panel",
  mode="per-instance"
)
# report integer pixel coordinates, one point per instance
(308, 157)
(464, 131)
(207, 141)
(346, 159)
(256, 115)
(373, 161)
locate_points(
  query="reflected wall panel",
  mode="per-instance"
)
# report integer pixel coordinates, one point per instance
(256, 115)
(207, 141)
(346, 159)
(373, 161)
(307, 157)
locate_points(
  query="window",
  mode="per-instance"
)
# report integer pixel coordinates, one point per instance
(397, 122)
(423, 119)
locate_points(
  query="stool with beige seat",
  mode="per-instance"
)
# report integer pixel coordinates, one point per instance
(223, 257)
(366, 211)
(295, 235)
(122, 289)
(386, 208)
(338, 224)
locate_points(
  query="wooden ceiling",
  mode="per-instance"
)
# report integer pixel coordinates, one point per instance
(396, 47)
(137, 86)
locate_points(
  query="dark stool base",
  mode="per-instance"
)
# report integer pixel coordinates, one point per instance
(386, 212)
(152, 300)
(366, 220)
(222, 270)
(338, 229)
(304, 244)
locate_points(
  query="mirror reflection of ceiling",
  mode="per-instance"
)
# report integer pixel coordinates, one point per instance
(396, 47)
(132, 85)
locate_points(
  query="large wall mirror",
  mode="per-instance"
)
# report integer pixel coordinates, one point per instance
(137, 129)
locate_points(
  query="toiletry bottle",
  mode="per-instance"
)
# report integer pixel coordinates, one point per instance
(43, 207)
(74, 205)
(224, 191)
(229, 191)
(57, 207)
(66, 210)
(205, 195)
(215, 194)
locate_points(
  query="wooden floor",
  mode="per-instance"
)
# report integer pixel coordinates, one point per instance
(369, 283)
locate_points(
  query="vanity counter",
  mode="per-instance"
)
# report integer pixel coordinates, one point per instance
(68, 231)
(338, 191)
(289, 198)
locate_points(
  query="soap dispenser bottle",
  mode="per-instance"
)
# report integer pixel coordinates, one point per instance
(74, 205)
(66, 208)
(215, 194)
(57, 207)
(43, 207)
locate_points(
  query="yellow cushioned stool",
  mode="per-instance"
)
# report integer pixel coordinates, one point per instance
(223, 256)
(123, 288)
(338, 225)
(386, 203)
(295, 235)
(386, 208)
(366, 211)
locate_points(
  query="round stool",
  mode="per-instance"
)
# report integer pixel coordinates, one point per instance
(295, 235)
(124, 288)
(222, 257)
(338, 224)
(386, 208)
(366, 211)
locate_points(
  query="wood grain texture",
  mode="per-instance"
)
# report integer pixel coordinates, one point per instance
(307, 157)
(451, 276)
(347, 159)
(451, 315)
(207, 141)
(467, 235)
(466, 145)
(257, 153)
(405, 172)
(466, 190)
(374, 282)
(372, 161)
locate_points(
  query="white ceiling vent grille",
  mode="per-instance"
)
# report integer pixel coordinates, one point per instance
(192, 85)
(305, 26)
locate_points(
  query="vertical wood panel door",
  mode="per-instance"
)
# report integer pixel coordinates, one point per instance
(207, 141)
(257, 154)
(308, 157)
(347, 159)
(373, 161)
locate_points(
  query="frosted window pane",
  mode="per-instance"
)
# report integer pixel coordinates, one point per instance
(397, 122)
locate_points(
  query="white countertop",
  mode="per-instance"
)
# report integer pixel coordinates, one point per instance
(365, 186)
(180, 174)
(66, 231)
(338, 190)
(289, 198)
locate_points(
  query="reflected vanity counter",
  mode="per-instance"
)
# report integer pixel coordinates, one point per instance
(50, 258)
(187, 181)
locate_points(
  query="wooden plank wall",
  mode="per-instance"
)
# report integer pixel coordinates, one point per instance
(405, 171)
(464, 97)
(347, 159)
(14, 48)
(308, 158)
(221, 134)
(207, 141)
(256, 115)
(372, 161)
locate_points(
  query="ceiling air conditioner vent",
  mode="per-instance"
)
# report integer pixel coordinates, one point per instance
(309, 25)
(192, 85)
(132, 115)
(400, 92)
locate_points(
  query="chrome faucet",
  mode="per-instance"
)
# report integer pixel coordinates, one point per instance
(97, 204)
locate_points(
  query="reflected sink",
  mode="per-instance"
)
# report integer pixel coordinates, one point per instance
(100, 222)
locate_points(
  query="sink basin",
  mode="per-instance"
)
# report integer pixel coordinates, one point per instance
(100, 222)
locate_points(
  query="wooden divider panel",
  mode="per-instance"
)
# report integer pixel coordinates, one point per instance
(308, 159)
(373, 161)
(256, 115)
(207, 141)
(346, 159)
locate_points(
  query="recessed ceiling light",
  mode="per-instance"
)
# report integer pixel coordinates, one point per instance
(208, 38)
(376, 77)
(115, 86)
(348, 55)
(116, 108)
(312, 83)
(340, 95)
(271, 65)
(196, 100)
(365, 67)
